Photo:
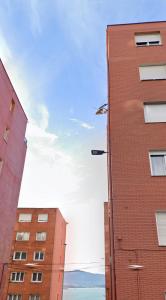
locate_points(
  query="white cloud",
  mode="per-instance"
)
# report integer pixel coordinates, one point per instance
(32, 8)
(81, 123)
(86, 125)
(51, 175)
(34, 16)
(5, 53)
(44, 116)
(81, 19)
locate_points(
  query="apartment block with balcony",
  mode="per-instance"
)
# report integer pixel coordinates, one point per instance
(12, 156)
(136, 58)
(36, 269)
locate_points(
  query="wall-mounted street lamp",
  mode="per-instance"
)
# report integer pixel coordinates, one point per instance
(102, 109)
(98, 152)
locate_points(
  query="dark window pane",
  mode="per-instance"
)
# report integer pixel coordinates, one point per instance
(24, 255)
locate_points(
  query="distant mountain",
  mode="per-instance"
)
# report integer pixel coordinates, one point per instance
(81, 279)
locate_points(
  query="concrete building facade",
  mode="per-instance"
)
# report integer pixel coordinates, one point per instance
(136, 57)
(37, 257)
(12, 155)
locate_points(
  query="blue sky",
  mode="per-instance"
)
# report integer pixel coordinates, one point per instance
(54, 52)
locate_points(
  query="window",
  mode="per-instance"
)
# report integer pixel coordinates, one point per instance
(34, 297)
(161, 227)
(1, 165)
(158, 163)
(14, 297)
(22, 236)
(42, 217)
(6, 134)
(37, 277)
(152, 72)
(17, 276)
(20, 255)
(148, 39)
(12, 105)
(39, 255)
(155, 112)
(25, 217)
(41, 236)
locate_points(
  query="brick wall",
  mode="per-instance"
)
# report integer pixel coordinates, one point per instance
(12, 152)
(54, 247)
(136, 195)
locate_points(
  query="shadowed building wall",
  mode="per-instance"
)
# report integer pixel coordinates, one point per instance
(12, 155)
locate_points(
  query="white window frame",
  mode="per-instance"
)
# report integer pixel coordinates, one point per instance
(6, 134)
(42, 219)
(12, 105)
(158, 235)
(14, 297)
(19, 274)
(23, 239)
(148, 39)
(143, 77)
(22, 220)
(39, 239)
(37, 275)
(156, 153)
(149, 117)
(1, 165)
(34, 297)
(39, 253)
(20, 258)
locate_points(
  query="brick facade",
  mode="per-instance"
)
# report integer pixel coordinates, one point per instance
(135, 195)
(12, 155)
(53, 248)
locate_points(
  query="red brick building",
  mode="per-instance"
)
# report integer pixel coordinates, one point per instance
(136, 56)
(37, 257)
(12, 155)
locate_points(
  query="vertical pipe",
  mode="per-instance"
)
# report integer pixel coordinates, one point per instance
(110, 184)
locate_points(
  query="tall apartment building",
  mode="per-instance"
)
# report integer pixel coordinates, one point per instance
(12, 155)
(136, 56)
(37, 257)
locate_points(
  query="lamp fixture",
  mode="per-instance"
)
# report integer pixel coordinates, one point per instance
(102, 109)
(98, 152)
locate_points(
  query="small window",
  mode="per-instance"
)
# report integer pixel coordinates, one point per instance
(41, 236)
(17, 276)
(148, 39)
(161, 228)
(39, 255)
(20, 255)
(6, 134)
(158, 163)
(34, 297)
(42, 217)
(12, 105)
(1, 165)
(37, 277)
(152, 72)
(22, 236)
(14, 297)
(155, 112)
(25, 217)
